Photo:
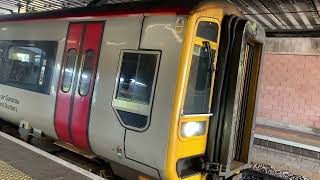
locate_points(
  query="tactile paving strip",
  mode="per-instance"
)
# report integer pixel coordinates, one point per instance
(8, 172)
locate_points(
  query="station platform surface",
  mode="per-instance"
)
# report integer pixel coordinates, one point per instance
(19, 160)
(290, 137)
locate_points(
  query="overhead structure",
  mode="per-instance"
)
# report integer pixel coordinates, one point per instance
(42, 5)
(279, 17)
(284, 17)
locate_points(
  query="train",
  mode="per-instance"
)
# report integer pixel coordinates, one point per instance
(158, 90)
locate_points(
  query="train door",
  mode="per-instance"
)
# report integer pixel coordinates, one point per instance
(77, 80)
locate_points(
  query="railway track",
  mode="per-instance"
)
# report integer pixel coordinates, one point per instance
(259, 171)
(251, 174)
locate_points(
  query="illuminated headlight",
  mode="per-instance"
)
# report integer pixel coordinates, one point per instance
(196, 128)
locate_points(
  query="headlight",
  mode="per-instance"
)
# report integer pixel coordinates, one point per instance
(195, 128)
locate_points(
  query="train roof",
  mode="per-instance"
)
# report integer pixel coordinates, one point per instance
(178, 7)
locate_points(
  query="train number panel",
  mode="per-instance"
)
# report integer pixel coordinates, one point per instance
(77, 79)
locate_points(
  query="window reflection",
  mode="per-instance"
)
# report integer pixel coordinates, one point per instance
(136, 77)
(128, 75)
(69, 70)
(145, 75)
(27, 64)
(86, 74)
(199, 84)
(24, 64)
(208, 30)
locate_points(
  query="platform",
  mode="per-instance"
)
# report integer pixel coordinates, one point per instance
(19, 160)
(299, 151)
(288, 137)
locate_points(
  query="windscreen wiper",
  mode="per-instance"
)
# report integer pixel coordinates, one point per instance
(209, 50)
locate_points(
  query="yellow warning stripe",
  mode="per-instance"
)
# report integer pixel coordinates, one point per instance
(8, 172)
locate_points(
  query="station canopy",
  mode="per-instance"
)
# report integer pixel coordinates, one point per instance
(279, 17)
(284, 17)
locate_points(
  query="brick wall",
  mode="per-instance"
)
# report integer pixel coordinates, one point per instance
(290, 91)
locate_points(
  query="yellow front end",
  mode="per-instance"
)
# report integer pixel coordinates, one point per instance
(183, 146)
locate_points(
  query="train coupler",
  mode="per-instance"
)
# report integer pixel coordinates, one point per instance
(211, 167)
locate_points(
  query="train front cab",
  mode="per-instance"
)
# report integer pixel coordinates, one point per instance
(212, 123)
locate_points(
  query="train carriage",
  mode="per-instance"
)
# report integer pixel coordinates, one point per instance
(159, 90)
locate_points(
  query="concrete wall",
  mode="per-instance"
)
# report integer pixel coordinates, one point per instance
(293, 45)
(290, 87)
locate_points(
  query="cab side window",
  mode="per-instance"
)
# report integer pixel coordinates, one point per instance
(199, 84)
(135, 87)
(136, 77)
(208, 31)
(200, 75)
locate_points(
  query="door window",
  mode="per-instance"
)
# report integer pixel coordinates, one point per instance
(86, 75)
(69, 70)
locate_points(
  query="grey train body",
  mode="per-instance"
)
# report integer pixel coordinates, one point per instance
(143, 151)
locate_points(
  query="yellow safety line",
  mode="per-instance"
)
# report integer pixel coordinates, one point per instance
(8, 172)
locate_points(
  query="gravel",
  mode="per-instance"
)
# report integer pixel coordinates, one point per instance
(267, 169)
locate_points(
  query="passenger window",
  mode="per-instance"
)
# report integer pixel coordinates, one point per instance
(27, 64)
(199, 84)
(2, 62)
(208, 30)
(85, 78)
(24, 64)
(2, 53)
(136, 77)
(69, 70)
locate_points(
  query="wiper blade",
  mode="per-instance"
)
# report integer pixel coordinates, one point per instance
(208, 49)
